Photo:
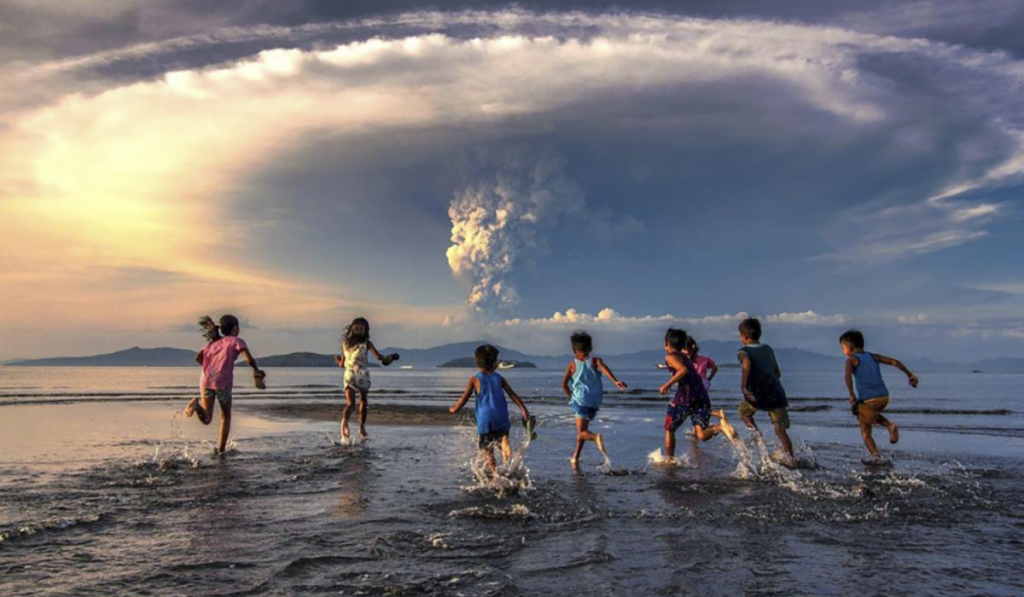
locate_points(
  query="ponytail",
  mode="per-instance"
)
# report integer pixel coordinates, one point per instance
(211, 331)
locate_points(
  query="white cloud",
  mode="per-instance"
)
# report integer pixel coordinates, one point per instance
(137, 174)
(611, 318)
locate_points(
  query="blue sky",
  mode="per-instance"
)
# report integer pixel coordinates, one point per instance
(510, 173)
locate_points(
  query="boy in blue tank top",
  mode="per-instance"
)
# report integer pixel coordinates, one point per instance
(871, 396)
(582, 384)
(492, 422)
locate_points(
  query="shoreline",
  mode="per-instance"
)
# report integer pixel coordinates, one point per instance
(379, 414)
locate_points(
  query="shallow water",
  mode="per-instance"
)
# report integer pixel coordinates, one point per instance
(108, 494)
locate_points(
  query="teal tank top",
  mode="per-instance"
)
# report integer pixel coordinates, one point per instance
(491, 407)
(868, 375)
(587, 387)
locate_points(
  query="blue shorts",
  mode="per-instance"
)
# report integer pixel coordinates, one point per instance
(584, 412)
(699, 413)
(489, 439)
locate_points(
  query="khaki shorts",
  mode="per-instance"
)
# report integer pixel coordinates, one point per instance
(779, 416)
(869, 410)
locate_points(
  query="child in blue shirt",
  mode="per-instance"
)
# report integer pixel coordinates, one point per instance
(871, 396)
(582, 384)
(492, 422)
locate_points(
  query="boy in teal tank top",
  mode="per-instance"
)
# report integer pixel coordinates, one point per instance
(492, 422)
(872, 395)
(582, 384)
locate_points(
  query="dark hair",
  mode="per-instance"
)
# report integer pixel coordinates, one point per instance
(581, 342)
(751, 328)
(356, 333)
(692, 347)
(212, 331)
(852, 338)
(486, 356)
(676, 338)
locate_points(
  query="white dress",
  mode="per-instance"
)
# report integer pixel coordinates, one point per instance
(357, 369)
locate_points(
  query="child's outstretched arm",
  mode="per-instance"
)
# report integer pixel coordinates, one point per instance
(899, 365)
(565, 379)
(200, 356)
(249, 359)
(376, 353)
(681, 372)
(604, 369)
(470, 386)
(515, 397)
(713, 370)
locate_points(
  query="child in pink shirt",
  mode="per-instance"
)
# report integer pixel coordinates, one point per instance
(218, 362)
(705, 366)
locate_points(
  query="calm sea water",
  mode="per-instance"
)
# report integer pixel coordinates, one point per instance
(106, 490)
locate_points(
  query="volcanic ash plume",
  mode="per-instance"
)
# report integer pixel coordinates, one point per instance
(503, 215)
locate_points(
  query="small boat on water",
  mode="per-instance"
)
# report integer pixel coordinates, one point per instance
(661, 365)
(506, 365)
(406, 367)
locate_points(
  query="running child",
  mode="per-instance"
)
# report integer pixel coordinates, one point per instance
(761, 384)
(355, 348)
(492, 422)
(705, 366)
(217, 358)
(691, 401)
(871, 396)
(582, 383)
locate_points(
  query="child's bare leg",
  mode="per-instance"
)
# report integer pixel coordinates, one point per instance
(575, 460)
(362, 415)
(488, 455)
(670, 445)
(869, 441)
(506, 449)
(748, 420)
(190, 409)
(705, 433)
(783, 435)
(894, 429)
(204, 410)
(225, 426)
(350, 402)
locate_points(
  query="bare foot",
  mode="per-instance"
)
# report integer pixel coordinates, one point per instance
(191, 408)
(362, 434)
(574, 463)
(344, 432)
(718, 413)
(894, 434)
(600, 445)
(727, 428)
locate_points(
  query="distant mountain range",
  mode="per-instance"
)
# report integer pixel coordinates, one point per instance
(470, 363)
(791, 359)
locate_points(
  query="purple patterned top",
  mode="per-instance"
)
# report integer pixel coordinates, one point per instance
(690, 391)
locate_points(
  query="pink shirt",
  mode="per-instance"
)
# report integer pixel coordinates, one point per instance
(219, 359)
(702, 364)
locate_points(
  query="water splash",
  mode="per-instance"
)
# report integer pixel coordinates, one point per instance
(658, 458)
(511, 477)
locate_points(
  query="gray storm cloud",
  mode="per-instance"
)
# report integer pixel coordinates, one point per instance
(503, 214)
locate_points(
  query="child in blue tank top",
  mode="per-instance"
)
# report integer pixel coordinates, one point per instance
(492, 421)
(582, 384)
(871, 396)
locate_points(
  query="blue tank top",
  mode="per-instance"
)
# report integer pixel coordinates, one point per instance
(587, 387)
(868, 375)
(491, 407)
